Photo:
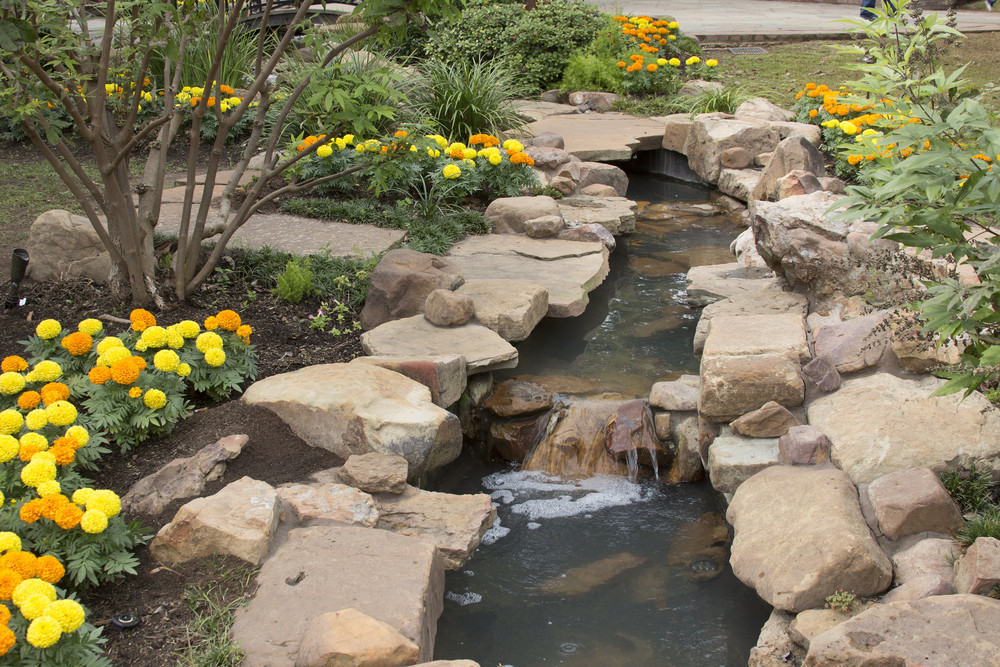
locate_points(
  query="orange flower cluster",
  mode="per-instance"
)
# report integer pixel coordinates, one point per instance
(141, 319)
(13, 364)
(648, 34)
(54, 391)
(309, 141)
(486, 140)
(520, 157)
(77, 343)
(55, 507)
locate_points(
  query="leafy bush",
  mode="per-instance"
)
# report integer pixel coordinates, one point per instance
(587, 71)
(296, 281)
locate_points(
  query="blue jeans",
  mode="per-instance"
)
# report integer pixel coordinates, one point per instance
(887, 6)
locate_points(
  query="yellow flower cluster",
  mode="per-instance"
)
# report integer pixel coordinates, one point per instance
(191, 96)
(27, 582)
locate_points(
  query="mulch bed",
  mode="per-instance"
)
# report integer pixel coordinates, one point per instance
(274, 454)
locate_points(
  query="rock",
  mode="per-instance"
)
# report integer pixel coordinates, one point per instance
(661, 426)
(547, 225)
(709, 137)
(445, 375)
(375, 472)
(237, 521)
(730, 205)
(575, 445)
(350, 638)
(616, 214)
(508, 214)
(791, 155)
(913, 501)
(679, 394)
(590, 232)
(880, 424)
(743, 184)
(62, 245)
(597, 101)
(714, 282)
(736, 157)
(687, 465)
(733, 459)
(745, 249)
(698, 548)
(812, 622)
(603, 137)
(445, 308)
(513, 398)
(549, 158)
(822, 372)
(181, 478)
(675, 131)
(511, 308)
(359, 408)
(965, 631)
(546, 139)
(414, 336)
(918, 352)
(540, 111)
(854, 344)
(734, 385)
(832, 184)
(453, 523)
(603, 174)
(759, 108)
(803, 445)
(514, 440)
(919, 588)
(696, 87)
(587, 577)
(771, 420)
(325, 568)
(328, 502)
(762, 302)
(630, 436)
(931, 557)
(599, 190)
(795, 183)
(978, 571)
(800, 537)
(786, 129)
(761, 159)
(449, 663)
(775, 647)
(567, 270)
(401, 282)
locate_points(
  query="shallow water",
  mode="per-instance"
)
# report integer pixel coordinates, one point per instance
(604, 572)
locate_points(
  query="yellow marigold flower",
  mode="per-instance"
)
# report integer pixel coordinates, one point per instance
(43, 631)
(11, 383)
(44, 371)
(36, 420)
(141, 318)
(13, 364)
(29, 400)
(324, 151)
(9, 580)
(674, 62)
(38, 471)
(99, 374)
(80, 495)
(32, 607)
(712, 62)
(49, 488)
(661, 61)
(68, 613)
(672, 37)
(62, 413)
(154, 336)
(673, 25)
(79, 434)
(175, 340)
(229, 320)
(451, 171)
(77, 343)
(90, 326)
(9, 447)
(166, 361)
(693, 60)
(107, 343)
(215, 357)
(48, 329)
(513, 145)
(54, 391)
(11, 422)
(847, 127)
(135, 392)
(104, 500)
(32, 586)
(207, 341)
(94, 522)
(495, 159)
(183, 370)
(156, 399)
(124, 372)
(9, 542)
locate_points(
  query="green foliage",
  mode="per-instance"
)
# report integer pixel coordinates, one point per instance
(983, 524)
(726, 100)
(841, 601)
(972, 490)
(462, 97)
(587, 71)
(296, 282)
(81, 648)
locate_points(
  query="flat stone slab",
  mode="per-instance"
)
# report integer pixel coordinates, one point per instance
(733, 459)
(512, 308)
(482, 348)
(604, 137)
(534, 110)
(714, 282)
(763, 302)
(734, 335)
(318, 569)
(616, 214)
(568, 270)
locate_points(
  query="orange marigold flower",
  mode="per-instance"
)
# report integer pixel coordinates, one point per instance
(77, 343)
(813, 113)
(141, 319)
(54, 391)
(28, 450)
(135, 392)
(124, 371)
(810, 86)
(139, 363)
(226, 90)
(13, 364)
(49, 569)
(853, 159)
(68, 516)
(244, 331)
(211, 323)
(9, 580)
(99, 374)
(29, 400)
(64, 454)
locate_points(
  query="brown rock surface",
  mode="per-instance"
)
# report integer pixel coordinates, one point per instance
(375, 472)
(348, 638)
(401, 282)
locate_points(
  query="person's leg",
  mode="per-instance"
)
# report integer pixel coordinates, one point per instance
(865, 6)
(989, 5)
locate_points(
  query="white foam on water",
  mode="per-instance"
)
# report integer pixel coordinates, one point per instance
(504, 496)
(533, 526)
(463, 599)
(494, 533)
(539, 496)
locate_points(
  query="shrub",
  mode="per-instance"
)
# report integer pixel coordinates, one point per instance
(983, 524)
(296, 281)
(972, 490)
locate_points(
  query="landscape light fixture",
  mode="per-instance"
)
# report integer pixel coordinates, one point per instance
(18, 267)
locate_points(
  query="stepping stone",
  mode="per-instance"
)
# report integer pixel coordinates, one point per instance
(714, 282)
(511, 308)
(483, 349)
(616, 214)
(319, 569)
(733, 459)
(603, 137)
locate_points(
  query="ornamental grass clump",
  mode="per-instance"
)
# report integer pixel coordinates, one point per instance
(39, 624)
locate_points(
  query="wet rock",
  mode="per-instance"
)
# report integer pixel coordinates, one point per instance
(591, 232)
(348, 637)
(375, 472)
(707, 284)
(574, 444)
(328, 502)
(513, 398)
(62, 245)
(511, 308)
(445, 308)
(661, 425)
(771, 420)
(733, 459)
(508, 214)
(630, 435)
(680, 394)
(181, 478)
(585, 578)
(687, 465)
(547, 225)
(514, 440)
(616, 214)
(445, 376)
(563, 384)
(913, 501)
(978, 571)
(699, 548)
(414, 336)
(803, 445)
(401, 282)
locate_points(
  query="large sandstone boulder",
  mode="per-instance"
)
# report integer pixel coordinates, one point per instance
(508, 214)
(853, 344)
(445, 375)
(348, 637)
(401, 282)
(616, 214)
(327, 502)
(800, 536)
(733, 459)
(913, 501)
(880, 423)
(946, 630)
(375, 472)
(360, 408)
(62, 245)
(759, 108)
(511, 308)
(482, 348)
(792, 154)
(710, 136)
(237, 521)
(761, 302)
(392, 578)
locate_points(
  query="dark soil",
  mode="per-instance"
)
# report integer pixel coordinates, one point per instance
(284, 342)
